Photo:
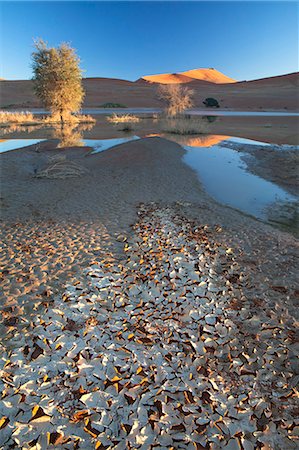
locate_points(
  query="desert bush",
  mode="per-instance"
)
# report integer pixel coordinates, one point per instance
(211, 102)
(27, 118)
(69, 118)
(177, 98)
(123, 118)
(184, 126)
(16, 117)
(57, 78)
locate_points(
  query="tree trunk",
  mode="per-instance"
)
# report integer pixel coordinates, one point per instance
(61, 118)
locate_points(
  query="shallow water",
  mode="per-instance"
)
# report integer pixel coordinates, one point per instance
(12, 144)
(224, 176)
(197, 112)
(215, 112)
(99, 145)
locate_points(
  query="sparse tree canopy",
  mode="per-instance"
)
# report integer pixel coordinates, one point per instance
(57, 78)
(177, 98)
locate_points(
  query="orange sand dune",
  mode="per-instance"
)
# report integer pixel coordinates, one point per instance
(167, 78)
(210, 75)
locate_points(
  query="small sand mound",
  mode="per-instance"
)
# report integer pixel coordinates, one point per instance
(62, 168)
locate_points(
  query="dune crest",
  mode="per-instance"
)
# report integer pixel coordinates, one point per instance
(209, 75)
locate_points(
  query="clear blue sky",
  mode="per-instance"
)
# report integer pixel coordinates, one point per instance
(244, 40)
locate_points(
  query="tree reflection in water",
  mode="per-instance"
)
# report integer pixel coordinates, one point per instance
(71, 134)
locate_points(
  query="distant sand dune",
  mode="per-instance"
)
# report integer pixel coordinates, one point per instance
(210, 75)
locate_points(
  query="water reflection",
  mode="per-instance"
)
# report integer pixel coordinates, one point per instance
(71, 134)
(17, 128)
(200, 140)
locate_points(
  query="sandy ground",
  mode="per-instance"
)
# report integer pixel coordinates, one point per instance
(52, 229)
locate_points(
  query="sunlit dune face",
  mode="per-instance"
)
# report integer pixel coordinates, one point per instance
(168, 78)
(204, 140)
(210, 75)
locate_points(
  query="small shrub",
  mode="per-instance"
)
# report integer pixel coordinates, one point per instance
(211, 102)
(112, 105)
(177, 98)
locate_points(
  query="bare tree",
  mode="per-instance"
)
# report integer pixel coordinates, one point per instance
(177, 98)
(57, 79)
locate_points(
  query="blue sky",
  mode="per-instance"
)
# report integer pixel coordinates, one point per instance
(244, 40)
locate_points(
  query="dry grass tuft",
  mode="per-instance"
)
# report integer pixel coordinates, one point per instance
(71, 118)
(184, 126)
(25, 117)
(16, 117)
(61, 168)
(123, 118)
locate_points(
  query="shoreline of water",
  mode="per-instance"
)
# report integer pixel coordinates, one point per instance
(195, 111)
